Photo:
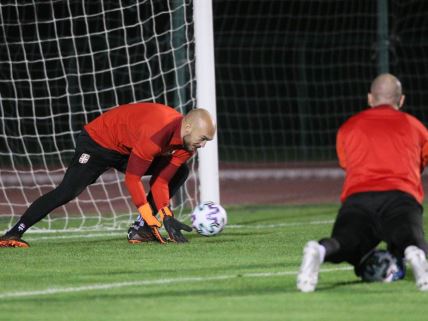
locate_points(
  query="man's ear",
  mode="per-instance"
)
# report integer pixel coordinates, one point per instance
(401, 102)
(370, 99)
(187, 128)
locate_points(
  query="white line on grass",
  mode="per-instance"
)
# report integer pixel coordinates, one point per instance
(259, 226)
(232, 226)
(108, 286)
(64, 237)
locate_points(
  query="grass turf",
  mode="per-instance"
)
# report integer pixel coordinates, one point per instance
(246, 273)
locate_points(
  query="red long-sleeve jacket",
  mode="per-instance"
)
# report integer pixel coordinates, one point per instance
(382, 149)
(143, 131)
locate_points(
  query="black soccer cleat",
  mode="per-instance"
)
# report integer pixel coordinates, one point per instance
(140, 234)
(12, 241)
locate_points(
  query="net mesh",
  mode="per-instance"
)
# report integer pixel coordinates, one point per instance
(289, 72)
(63, 63)
(298, 69)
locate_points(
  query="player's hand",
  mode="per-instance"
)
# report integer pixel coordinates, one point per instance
(173, 226)
(151, 220)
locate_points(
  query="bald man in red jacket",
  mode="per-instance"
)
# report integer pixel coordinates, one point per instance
(383, 152)
(137, 139)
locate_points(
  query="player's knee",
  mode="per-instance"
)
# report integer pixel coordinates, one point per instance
(66, 194)
(180, 177)
(183, 172)
(407, 237)
(416, 241)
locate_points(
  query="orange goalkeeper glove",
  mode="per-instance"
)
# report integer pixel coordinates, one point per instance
(151, 221)
(173, 226)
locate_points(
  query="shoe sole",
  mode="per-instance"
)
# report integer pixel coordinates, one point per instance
(141, 241)
(134, 242)
(422, 285)
(13, 243)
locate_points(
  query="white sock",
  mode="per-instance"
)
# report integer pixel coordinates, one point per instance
(139, 222)
(322, 252)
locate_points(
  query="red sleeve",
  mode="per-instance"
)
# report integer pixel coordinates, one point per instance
(424, 143)
(135, 170)
(159, 181)
(425, 154)
(340, 149)
(422, 134)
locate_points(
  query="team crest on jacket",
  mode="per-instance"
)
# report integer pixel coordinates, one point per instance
(84, 158)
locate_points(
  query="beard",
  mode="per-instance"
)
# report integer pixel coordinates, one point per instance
(187, 143)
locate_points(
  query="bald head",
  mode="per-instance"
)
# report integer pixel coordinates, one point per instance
(197, 128)
(386, 89)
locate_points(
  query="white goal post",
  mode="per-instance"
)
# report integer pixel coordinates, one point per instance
(209, 188)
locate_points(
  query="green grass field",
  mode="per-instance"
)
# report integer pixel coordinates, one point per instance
(246, 273)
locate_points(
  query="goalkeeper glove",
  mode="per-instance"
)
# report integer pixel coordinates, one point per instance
(173, 226)
(148, 217)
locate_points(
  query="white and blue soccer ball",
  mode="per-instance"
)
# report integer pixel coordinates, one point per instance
(208, 218)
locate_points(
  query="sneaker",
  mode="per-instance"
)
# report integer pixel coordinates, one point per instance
(307, 278)
(417, 259)
(140, 234)
(12, 241)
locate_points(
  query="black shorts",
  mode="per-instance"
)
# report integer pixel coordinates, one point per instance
(366, 219)
(95, 159)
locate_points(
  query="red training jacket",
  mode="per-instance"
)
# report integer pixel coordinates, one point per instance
(143, 131)
(382, 149)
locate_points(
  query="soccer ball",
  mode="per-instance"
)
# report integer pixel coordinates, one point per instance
(382, 266)
(209, 219)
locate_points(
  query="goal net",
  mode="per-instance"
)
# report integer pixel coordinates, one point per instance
(63, 63)
(289, 73)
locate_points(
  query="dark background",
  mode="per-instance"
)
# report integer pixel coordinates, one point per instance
(288, 73)
(62, 63)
